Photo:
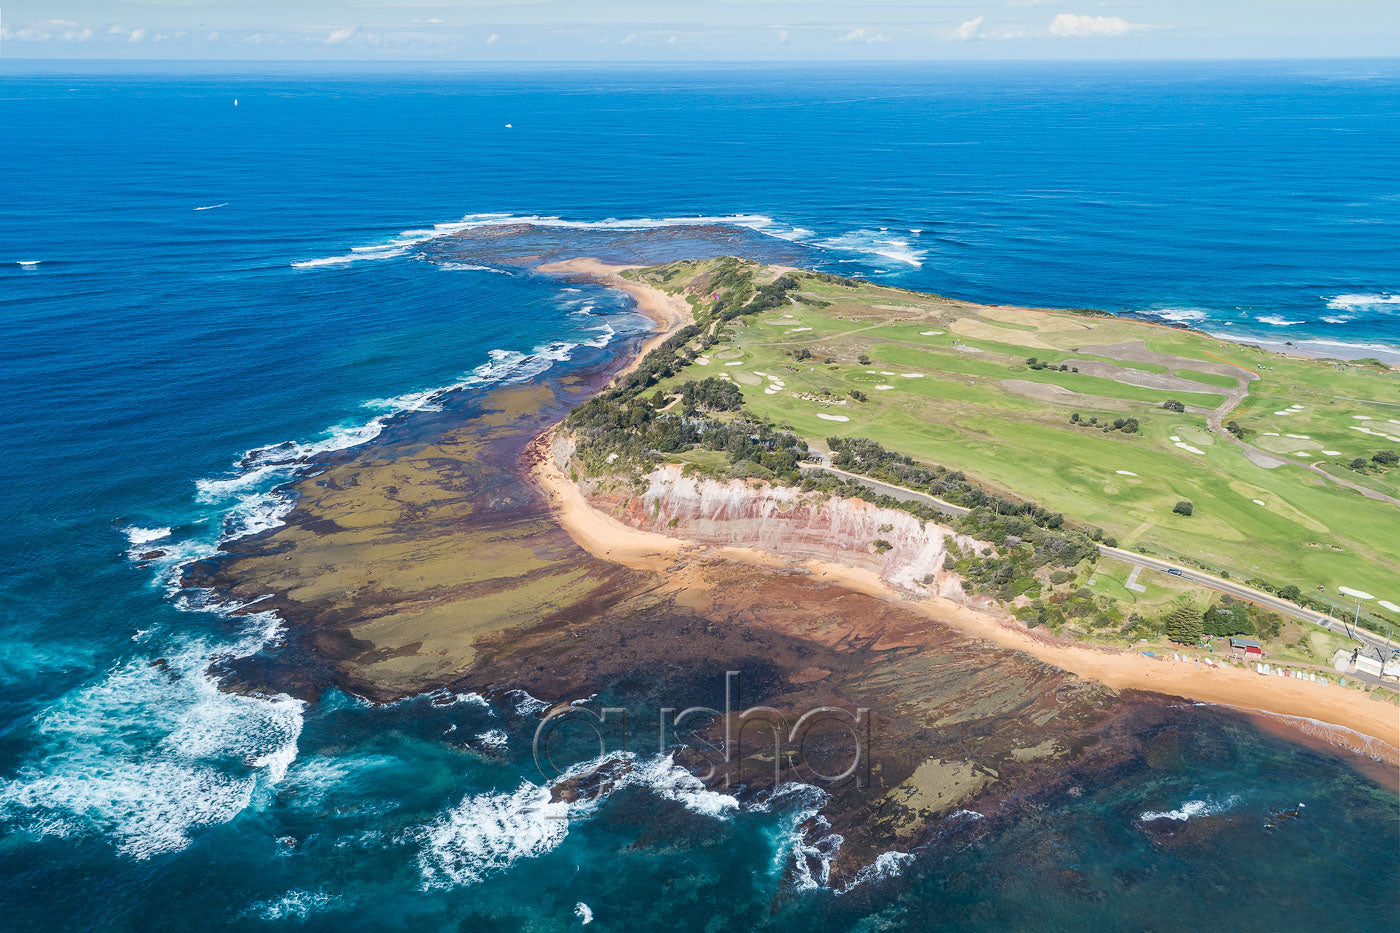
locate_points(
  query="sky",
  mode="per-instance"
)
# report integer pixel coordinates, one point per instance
(697, 30)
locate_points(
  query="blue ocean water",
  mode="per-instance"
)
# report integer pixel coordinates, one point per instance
(184, 281)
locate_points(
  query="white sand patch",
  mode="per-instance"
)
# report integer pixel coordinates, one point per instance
(770, 391)
(1271, 434)
(1393, 420)
(1359, 594)
(1333, 453)
(884, 388)
(885, 372)
(825, 417)
(1302, 453)
(1387, 604)
(735, 363)
(1362, 418)
(1296, 407)
(1284, 412)
(702, 361)
(789, 316)
(1301, 437)
(1190, 449)
(1125, 472)
(1258, 501)
(797, 330)
(1175, 439)
(930, 333)
(1365, 430)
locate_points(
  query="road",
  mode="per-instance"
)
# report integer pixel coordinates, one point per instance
(1372, 641)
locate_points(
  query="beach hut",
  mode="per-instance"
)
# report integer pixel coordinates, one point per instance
(1245, 648)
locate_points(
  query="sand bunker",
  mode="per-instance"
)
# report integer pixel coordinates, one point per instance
(1125, 472)
(825, 417)
(1258, 501)
(884, 388)
(912, 375)
(1388, 605)
(1191, 448)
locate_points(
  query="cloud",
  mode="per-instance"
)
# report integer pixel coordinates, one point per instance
(338, 36)
(968, 30)
(863, 35)
(783, 36)
(630, 39)
(1074, 26)
(492, 39)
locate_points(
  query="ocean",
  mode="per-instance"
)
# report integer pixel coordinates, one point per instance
(209, 273)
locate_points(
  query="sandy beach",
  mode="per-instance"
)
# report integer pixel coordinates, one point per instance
(668, 312)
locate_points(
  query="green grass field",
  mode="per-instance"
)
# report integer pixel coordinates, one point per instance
(948, 382)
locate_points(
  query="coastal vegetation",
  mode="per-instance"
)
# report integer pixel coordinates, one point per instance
(778, 362)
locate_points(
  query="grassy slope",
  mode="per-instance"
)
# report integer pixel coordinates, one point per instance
(961, 415)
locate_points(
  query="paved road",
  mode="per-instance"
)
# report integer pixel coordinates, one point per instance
(1371, 640)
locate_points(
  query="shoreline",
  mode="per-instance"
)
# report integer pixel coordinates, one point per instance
(610, 539)
(668, 312)
(1120, 669)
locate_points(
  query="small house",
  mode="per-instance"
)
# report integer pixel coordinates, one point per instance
(1245, 648)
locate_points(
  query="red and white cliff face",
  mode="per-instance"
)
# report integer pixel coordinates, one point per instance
(786, 521)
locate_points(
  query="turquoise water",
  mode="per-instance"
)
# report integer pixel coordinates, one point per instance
(218, 291)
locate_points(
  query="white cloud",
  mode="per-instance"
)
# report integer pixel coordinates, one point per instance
(630, 39)
(338, 36)
(1072, 25)
(137, 35)
(968, 30)
(492, 39)
(863, 35)
(783, 36)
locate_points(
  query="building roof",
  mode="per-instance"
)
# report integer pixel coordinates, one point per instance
(1243, 643)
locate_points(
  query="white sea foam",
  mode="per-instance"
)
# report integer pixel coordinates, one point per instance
(406, 240)
(493, 739)
(584, 913)
(210, 207)
(877, 243)
(294, 905)
(138, 536)
(1179, 315)
(886, 865)
(486, 833)
(525, 704)
(1276, 321)
(1355, 301)
(149, 751)
(1190, 810)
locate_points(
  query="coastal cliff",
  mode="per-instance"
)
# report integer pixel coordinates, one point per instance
(904, 551)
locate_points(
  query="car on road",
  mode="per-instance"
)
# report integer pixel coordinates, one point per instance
(1174, 571)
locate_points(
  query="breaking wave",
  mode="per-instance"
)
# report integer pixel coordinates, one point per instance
(487, 833)
(1190, 810)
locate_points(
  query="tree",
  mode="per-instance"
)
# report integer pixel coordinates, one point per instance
(1172, 404)
(1184, 625)
(863, 360)
(1359, 464)
(1386, 457)
(1183, 508)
